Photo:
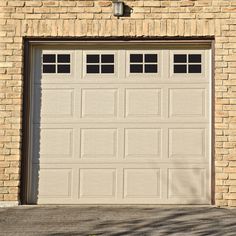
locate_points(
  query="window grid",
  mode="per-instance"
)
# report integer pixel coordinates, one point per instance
(102, 67)
(57, 64)
(188, 65)
(144, 63)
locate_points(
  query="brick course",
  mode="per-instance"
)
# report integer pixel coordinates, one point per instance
(54, 18)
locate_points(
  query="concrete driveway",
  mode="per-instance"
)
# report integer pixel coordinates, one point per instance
(111, 220)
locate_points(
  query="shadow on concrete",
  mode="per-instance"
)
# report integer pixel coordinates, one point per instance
(114, 221)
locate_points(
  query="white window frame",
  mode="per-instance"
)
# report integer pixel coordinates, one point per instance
(144, 75)
(100, 75)
(202, 75)
(57, 76)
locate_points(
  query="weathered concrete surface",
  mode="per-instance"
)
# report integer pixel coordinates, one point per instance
(119, 220)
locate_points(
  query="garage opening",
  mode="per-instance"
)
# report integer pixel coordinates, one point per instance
(120, 124)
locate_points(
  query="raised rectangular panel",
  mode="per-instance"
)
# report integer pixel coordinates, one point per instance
(55, 183)
(143, 143)
(97, 183)
(141, 183)
(98, 143)
(143, 102)
(187, 102)
(186, 183)
(56, 142)
(55, 102)
(186, 143)
(99, 103)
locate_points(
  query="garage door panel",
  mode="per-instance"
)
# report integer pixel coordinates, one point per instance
(186, 183)
(103, 183)
(187, 143)
(55, 183)
(99, 143)
(108, 132)
(117, 143)
(54, 103)
(53, 143)
(99, 103)
(187, 102)
(143, 102)
(142, 183)
(143, 143)
(97, 183)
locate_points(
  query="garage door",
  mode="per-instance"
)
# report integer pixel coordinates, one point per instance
(117, 125)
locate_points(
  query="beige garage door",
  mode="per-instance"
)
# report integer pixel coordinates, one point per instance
(120, 126)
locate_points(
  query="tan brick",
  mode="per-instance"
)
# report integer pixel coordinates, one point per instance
(33, 3)
(230, 170)
(222, 176)
(232, 189)
(222, 189)
(11, 183)
(219, 196)
(85, 3)
(229, 196)
(12, 170)
(16, 3)
(186, 3)
(104, 3)
(50, 3)
(232, 176)
(232, 203)
(221, 202)
(11, 197)
(151, 3)
(67, 3)
(4, 176)
(232, 163)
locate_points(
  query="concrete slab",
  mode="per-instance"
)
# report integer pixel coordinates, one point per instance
(117, 220)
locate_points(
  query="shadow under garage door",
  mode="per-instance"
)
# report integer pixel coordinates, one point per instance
(120, 125)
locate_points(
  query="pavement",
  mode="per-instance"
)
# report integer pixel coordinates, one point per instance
(117, 220)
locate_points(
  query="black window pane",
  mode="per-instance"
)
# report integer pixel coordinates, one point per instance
(49, 58)
(108, 69)
(180, 69)
(180, 58)
(92, 69)
(109, 58)
(49, 69)
(195, 58)
(194, 69)
(63, 68)
(136, 57)
(150, 57)
(136, 68)
(63, 58)
(92, 58)
(150, 68)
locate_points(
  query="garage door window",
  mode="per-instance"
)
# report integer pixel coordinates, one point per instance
(143, 63)
(56, 63)
(190, 63)
(100, 63)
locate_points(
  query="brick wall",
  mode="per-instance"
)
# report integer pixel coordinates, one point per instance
(19, 18)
